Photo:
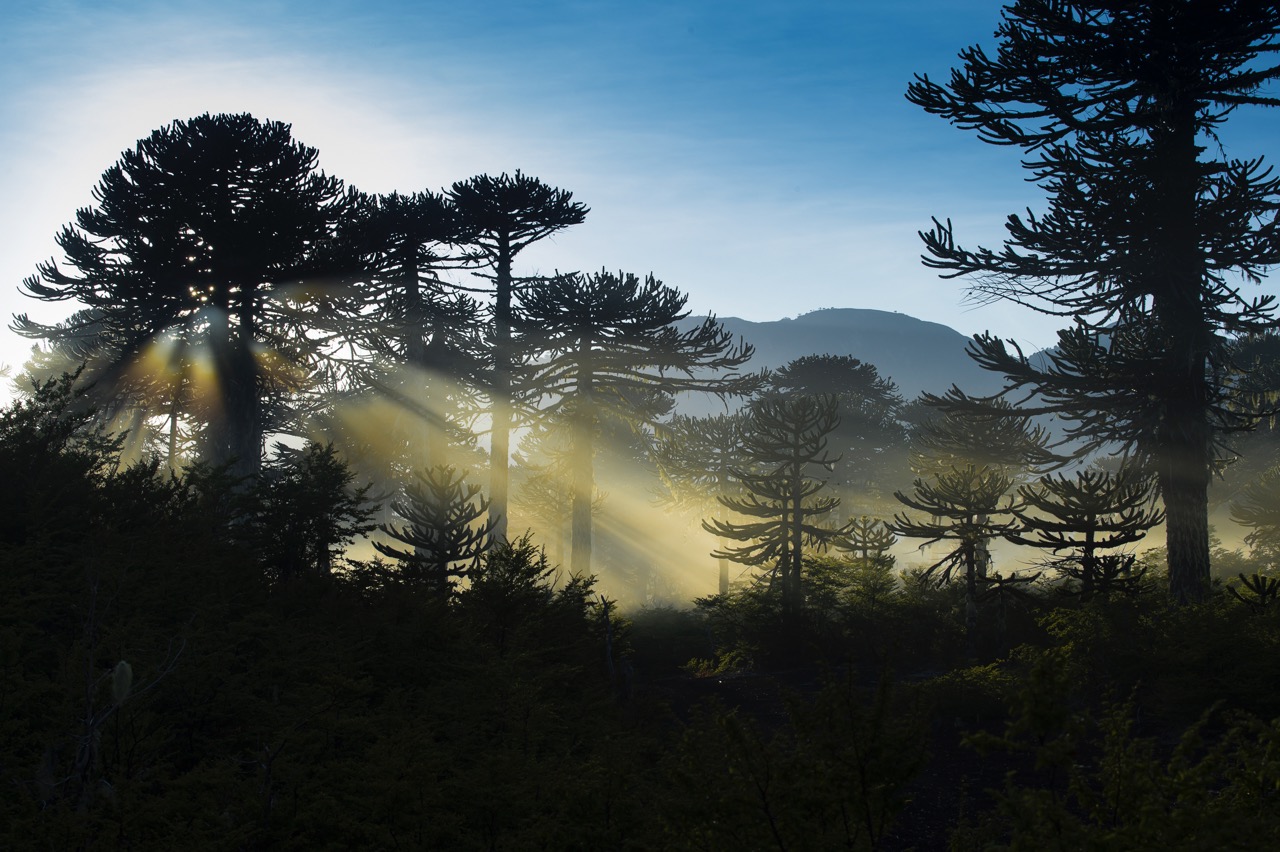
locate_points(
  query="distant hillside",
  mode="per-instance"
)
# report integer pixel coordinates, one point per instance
(917, 355)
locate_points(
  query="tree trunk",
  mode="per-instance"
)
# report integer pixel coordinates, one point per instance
(1183, 448)
(500, 433)
(792, 592)
(243, 408)
(583, 460)
(173, 433)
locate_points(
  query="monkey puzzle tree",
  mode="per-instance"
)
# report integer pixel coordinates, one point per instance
(968, 505)
(607, 341)
(501, 217)
(969, 462)
(1118, 107)
(1086, 515)
(197, 232)
(997, 438)
(415, 336)
(447, 529)
(870, 439)
(783, 442)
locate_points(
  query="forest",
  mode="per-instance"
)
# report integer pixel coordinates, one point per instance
(328, 523)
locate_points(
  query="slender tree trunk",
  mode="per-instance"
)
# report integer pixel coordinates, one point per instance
(173, 433)
(243, 408)
(793, 593)
(1088, 568)
(583, 453)
(415, 354)
(500, 434)
(971, 600)
(721, 562)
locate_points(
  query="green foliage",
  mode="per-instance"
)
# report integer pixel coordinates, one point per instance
(447, 529)
(1257, 506)
(202, 220)
(1260, 591)
(1097, 785)
(302, 512)
(835, 776)
(1079, 518)
(870, 439)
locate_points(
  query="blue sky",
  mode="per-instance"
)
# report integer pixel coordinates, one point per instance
(759, 156)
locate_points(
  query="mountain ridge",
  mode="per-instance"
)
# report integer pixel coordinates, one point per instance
(918, 355)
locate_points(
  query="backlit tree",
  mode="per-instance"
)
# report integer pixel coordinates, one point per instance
(784, 443)
(608, 342)
(198, 232)
(500, 217)
(1151, 229)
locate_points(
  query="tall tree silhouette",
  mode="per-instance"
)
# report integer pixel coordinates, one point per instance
(968, 505)
(1085, 516)
(421, 331)
(870, 439)
(784, 441)
(197, 231)
(969, 464)
(501, 217)
(697, 458)
(608, 341)
(1118, 107)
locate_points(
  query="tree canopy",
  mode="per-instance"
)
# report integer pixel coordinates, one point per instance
(202, 232)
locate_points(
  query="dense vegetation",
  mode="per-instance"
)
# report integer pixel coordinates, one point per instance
(272, 377)
(166, 677)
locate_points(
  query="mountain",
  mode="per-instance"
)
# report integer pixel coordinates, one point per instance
(917, 355)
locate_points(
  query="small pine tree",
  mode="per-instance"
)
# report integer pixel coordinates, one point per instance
(302, 511)
(448, 529)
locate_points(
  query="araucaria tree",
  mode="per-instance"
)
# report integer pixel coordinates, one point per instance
(1119, 108)
(609, 341)
(194, 235)
(785, 442)
(414, 337)
(446, 529)
(501, 217)
(1082, 519)
(870, 438)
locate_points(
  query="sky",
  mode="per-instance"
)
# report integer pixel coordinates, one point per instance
(758, 156)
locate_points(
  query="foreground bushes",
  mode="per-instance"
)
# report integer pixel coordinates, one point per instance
(345, 706)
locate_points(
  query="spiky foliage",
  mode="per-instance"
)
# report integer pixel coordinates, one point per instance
(302, 511)
(1078, 518)
(1262, 591)
(1257, 506)
(967, 505)
(870, 439)
(196, 234)
(995, 439)
(1114, 104)
(868, 539)
(996, 436)
(402, 329)
(447, 528)
(784, 441)
(500, 217)
(608, 342)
